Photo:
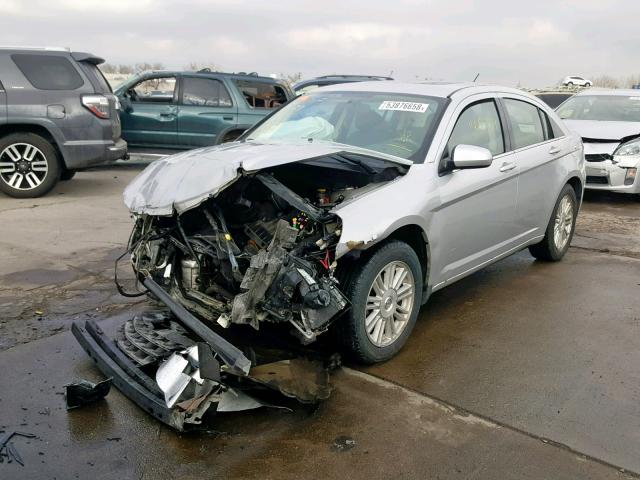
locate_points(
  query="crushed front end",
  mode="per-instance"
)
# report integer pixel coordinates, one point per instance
(256, 253)
(247, 273)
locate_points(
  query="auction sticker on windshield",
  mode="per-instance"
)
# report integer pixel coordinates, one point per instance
(404, 106)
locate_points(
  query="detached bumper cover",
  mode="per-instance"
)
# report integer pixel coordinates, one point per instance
(127, 377)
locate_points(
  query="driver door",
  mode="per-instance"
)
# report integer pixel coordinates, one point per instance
(476, 219)
(152, 118)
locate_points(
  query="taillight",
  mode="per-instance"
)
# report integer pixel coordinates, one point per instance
(97, 104)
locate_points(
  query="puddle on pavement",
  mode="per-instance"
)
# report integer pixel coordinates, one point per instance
(40, 277)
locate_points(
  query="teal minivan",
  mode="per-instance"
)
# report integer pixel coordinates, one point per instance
(184, 110)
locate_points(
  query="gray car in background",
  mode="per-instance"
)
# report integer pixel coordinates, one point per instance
(349, 206)
(57, 115)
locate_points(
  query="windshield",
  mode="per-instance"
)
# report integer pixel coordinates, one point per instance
(400, 125)
(611, 108)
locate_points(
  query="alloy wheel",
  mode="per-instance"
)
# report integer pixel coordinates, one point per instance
(23, 166)
(389, 304)
(563, 223)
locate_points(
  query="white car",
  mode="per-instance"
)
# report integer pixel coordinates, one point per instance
(609, 123)
(576, 81)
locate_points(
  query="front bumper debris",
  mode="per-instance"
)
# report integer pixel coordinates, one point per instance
(178, 369)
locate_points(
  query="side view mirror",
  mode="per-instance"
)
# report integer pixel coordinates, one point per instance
(471, 156)
(125, 103)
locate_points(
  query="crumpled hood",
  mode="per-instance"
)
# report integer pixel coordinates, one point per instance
(185, 180)
(597, 130)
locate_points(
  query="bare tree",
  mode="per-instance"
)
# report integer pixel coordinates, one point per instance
(195, 66)
(606, 81)
(108, 68)
(291, 78)
(144, 66)
(125, 69)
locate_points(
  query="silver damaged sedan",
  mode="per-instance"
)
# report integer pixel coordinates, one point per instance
(345, 209)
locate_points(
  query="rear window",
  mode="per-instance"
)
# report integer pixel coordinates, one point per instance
(96, 77)
(48, 72)
(262, 95)
(526, 126)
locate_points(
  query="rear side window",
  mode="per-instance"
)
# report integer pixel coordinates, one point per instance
(262, 95)
(48, 72)
(205, 92)
(96, 77)
(526, 125)
(479, 125)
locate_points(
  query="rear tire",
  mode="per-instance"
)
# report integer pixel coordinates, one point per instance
(560, 229)
(29, 165)
(385, 293)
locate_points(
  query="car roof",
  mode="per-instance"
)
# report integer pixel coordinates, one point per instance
(330, 79)
(431, 89)
(245, 76)
(618, 92)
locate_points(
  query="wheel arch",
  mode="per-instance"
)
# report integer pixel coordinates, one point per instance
(410, 233)
(414, 236)
(36, 129)
(235, 128)
(578, 187)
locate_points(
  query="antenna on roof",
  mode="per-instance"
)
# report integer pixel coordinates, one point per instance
(476, 77)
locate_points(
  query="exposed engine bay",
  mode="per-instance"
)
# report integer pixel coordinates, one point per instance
(260, 251)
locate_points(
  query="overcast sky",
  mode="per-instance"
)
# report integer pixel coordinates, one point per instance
(531, 42)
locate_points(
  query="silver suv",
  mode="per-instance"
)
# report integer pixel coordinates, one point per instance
(57, 115)
(349, 206)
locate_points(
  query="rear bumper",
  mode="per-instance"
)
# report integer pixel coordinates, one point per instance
(86, 153)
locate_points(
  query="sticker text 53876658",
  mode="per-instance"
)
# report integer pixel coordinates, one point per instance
(404, 106)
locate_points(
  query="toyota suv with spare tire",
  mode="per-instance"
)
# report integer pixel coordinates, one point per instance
(340, 213)
(57, 115)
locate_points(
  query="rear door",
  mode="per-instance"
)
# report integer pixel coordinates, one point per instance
(538, 151)
(205, 111)
(152, 119)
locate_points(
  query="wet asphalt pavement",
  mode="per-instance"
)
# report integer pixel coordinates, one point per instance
(523, 370)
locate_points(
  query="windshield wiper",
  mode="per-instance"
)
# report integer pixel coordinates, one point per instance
(345, 157)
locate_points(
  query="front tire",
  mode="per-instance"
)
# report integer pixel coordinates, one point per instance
(385, 294)
(560, 229)
(29, 166)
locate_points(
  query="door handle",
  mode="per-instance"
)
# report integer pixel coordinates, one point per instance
(506, 166)
(227, 118)
(554, 150)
